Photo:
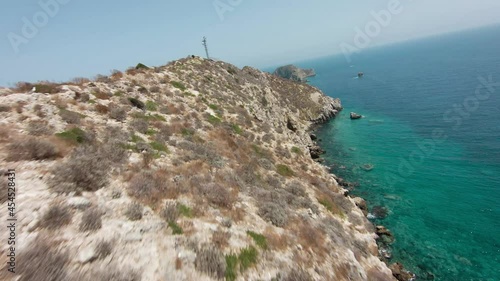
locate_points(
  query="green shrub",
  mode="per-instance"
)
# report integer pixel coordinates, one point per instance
(284, 170)
(213, 106)
(178, 85)
(247, 257)
(259, 239)
(185, 211)
(47, 88)
(137, 103)
(231, 267)
(296, 150)
(214, 120)
(136, 138)
(75, 135)
(236, 129)
(187, 132)
(158, 146)
(141, 66)
(151, 106)
(176, 229)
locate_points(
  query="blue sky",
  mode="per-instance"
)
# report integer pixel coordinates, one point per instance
(85, 38)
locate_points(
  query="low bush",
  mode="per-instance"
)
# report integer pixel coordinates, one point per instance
(150, 188)
(75, 135)
(32, 149)
(91, 220)
(218, 195)
(57, 216)
(178, 85)
(140, 125)
(273, 213)
(137, 103)
(170, 211)
(176, 229)
(69, 116)
(259, 239)
(247, 258)
(118, 113)
(231, 267)
(220, 238)
(103, 249)
(102, 109)
(210, 261)
(284, 170)
(42, 261)
(134, 211)
(297, 274)
(87, 168)
(151, 106)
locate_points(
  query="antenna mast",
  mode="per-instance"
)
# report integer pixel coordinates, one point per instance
(206, 47)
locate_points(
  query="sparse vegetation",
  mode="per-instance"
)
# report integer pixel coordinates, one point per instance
(210, 261)
(91, 220)
(134, 212)
(247, 258)
(273, 213)
(70, 117)
(284, 170)
(178, 85)
(118, 113)
(259, 239)
(32, 149)
(137, 103)
(151, 106)
(170, 211)
(87, 168)
(231, 267)
(176, 229)
(75, 135)
(57, 216)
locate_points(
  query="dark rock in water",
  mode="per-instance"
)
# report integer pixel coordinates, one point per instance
(385, 236)
(367, 167)
(399, 272)
(360, 74)
(313, 137)
(380, 212)
(361, 203)
(316, 152)
(355, 116)
(294, 73)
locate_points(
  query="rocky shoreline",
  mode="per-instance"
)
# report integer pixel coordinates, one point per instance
(385, 236)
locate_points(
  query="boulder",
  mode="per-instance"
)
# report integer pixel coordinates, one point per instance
(355, 116)
(313, 137)
(361, 203)
(316, 152)
(399, 272)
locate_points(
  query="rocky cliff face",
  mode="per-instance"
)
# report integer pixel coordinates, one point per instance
(294, 73)
(196, 170)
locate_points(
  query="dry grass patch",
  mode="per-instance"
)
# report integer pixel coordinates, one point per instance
(210, 261)
(57, 216)
(134, 211)
(42, 261)
(32, 149)
(91, 220)
(220, 238)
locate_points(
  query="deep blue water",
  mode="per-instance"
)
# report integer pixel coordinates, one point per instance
(434, 142)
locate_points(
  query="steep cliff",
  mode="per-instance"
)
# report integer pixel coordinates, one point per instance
(196, 170)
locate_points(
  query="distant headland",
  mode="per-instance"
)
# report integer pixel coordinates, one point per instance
(294, 73)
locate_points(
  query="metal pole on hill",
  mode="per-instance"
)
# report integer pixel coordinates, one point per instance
(206, 47)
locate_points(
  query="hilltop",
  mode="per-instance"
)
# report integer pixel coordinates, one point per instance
(196, 170)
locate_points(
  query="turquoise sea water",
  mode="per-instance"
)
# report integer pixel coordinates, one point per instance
(434, 143)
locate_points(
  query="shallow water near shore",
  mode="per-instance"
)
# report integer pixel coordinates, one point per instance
(435, 168)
